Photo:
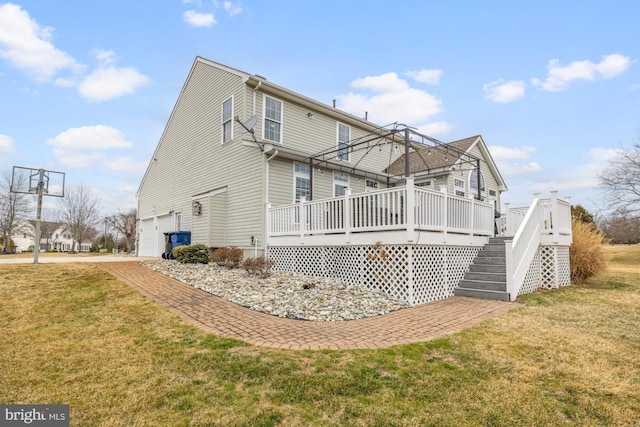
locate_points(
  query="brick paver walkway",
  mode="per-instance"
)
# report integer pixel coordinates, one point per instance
(224, 318)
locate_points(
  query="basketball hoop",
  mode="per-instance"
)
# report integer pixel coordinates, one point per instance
(37, 182)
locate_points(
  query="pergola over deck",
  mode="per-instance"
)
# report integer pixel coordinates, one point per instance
(430, 154)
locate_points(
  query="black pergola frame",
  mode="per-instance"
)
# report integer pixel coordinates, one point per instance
(393, 133)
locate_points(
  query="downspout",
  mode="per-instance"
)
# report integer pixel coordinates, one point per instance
(255, 89)
(266, 196)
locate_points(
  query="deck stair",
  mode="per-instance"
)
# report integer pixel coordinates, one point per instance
(487, 276)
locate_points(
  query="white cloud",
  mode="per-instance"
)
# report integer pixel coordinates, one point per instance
(27, 46)
(105, 57)
(6, 144)
(431, 77)
(198, 19)
(559, 77)
(383, 83)
(232, 9)
(510, 160)
(509, 153)
(503, 92)
(435, 128)
(90, 137)
(87, 146)
(111, 82)
(393, 101)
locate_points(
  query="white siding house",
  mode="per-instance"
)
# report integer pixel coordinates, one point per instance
(244, 162)
(58, 239)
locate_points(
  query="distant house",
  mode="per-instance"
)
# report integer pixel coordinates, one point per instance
(54, 236)
(244, 162)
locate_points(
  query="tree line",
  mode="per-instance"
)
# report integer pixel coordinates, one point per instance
(77, 213)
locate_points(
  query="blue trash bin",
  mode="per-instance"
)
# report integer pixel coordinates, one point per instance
(179, 238)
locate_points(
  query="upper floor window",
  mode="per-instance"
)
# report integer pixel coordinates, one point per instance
(272, 119)
(344, 136)
(227, 120)
(473, 181)
(458, 183)
(370, 185)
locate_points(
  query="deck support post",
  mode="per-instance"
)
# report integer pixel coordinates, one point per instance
(347, 215)
(410, 207)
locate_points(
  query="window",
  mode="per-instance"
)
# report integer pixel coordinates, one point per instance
(272, 119)
(473, 181)
(423, 184)
(302, 183)
(370, 185)
(492, 193)
(227, 120)
(344, 136)
(178, 221)
(459, 193)
(458, 183)
(340, 183)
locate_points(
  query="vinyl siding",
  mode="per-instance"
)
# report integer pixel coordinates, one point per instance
(191, 159)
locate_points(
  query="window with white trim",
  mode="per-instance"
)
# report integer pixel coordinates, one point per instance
(458, 183)
(340, 183)
(459, 193)
(272, 119)
(178, 221)
(227, 120)
(344, 136)
(427, 184)
(370, 185)
(473, 181)
(301, 182)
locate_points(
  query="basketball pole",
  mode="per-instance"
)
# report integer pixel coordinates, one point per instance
(36, 249)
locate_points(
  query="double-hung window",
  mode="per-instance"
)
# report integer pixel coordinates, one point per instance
(344, 136)
(272, 119)
(458, 185)
(227, 120)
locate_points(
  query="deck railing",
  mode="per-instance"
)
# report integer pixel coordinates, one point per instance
(402, 208)
(548, 219)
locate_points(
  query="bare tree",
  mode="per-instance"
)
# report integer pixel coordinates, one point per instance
(621, 180)
(79, 213)
(125, 224)
(14, 209)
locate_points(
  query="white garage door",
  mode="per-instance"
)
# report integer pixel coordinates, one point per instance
(164, 224)
(152, 237)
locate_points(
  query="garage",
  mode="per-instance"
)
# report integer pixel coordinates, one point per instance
(151, 235)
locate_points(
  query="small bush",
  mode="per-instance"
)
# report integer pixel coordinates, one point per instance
(259, 266)
(192, 254)
(586, 255)
(227, 257)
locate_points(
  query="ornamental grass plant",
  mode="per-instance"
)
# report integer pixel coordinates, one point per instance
(586, 254)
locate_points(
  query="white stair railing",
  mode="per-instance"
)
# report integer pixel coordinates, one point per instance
(520, 251)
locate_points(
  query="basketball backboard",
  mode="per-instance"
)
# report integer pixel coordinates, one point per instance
(25, 180)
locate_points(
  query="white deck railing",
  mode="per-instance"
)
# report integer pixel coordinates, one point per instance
(403, 208)
(546, 221)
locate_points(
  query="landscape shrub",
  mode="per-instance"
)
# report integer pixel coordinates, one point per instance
(192, 254)
(227, 257)
(586, 254)
(259, 266)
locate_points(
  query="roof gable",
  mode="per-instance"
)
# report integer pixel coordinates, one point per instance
(441, 159)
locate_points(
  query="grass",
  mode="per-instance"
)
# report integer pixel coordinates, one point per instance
(69, 333)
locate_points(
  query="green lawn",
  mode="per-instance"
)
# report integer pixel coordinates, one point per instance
(69, 333)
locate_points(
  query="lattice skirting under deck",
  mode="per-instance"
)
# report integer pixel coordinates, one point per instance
(549, 269)
(415, 274)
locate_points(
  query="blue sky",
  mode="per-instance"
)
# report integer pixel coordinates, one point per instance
(553, 87)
